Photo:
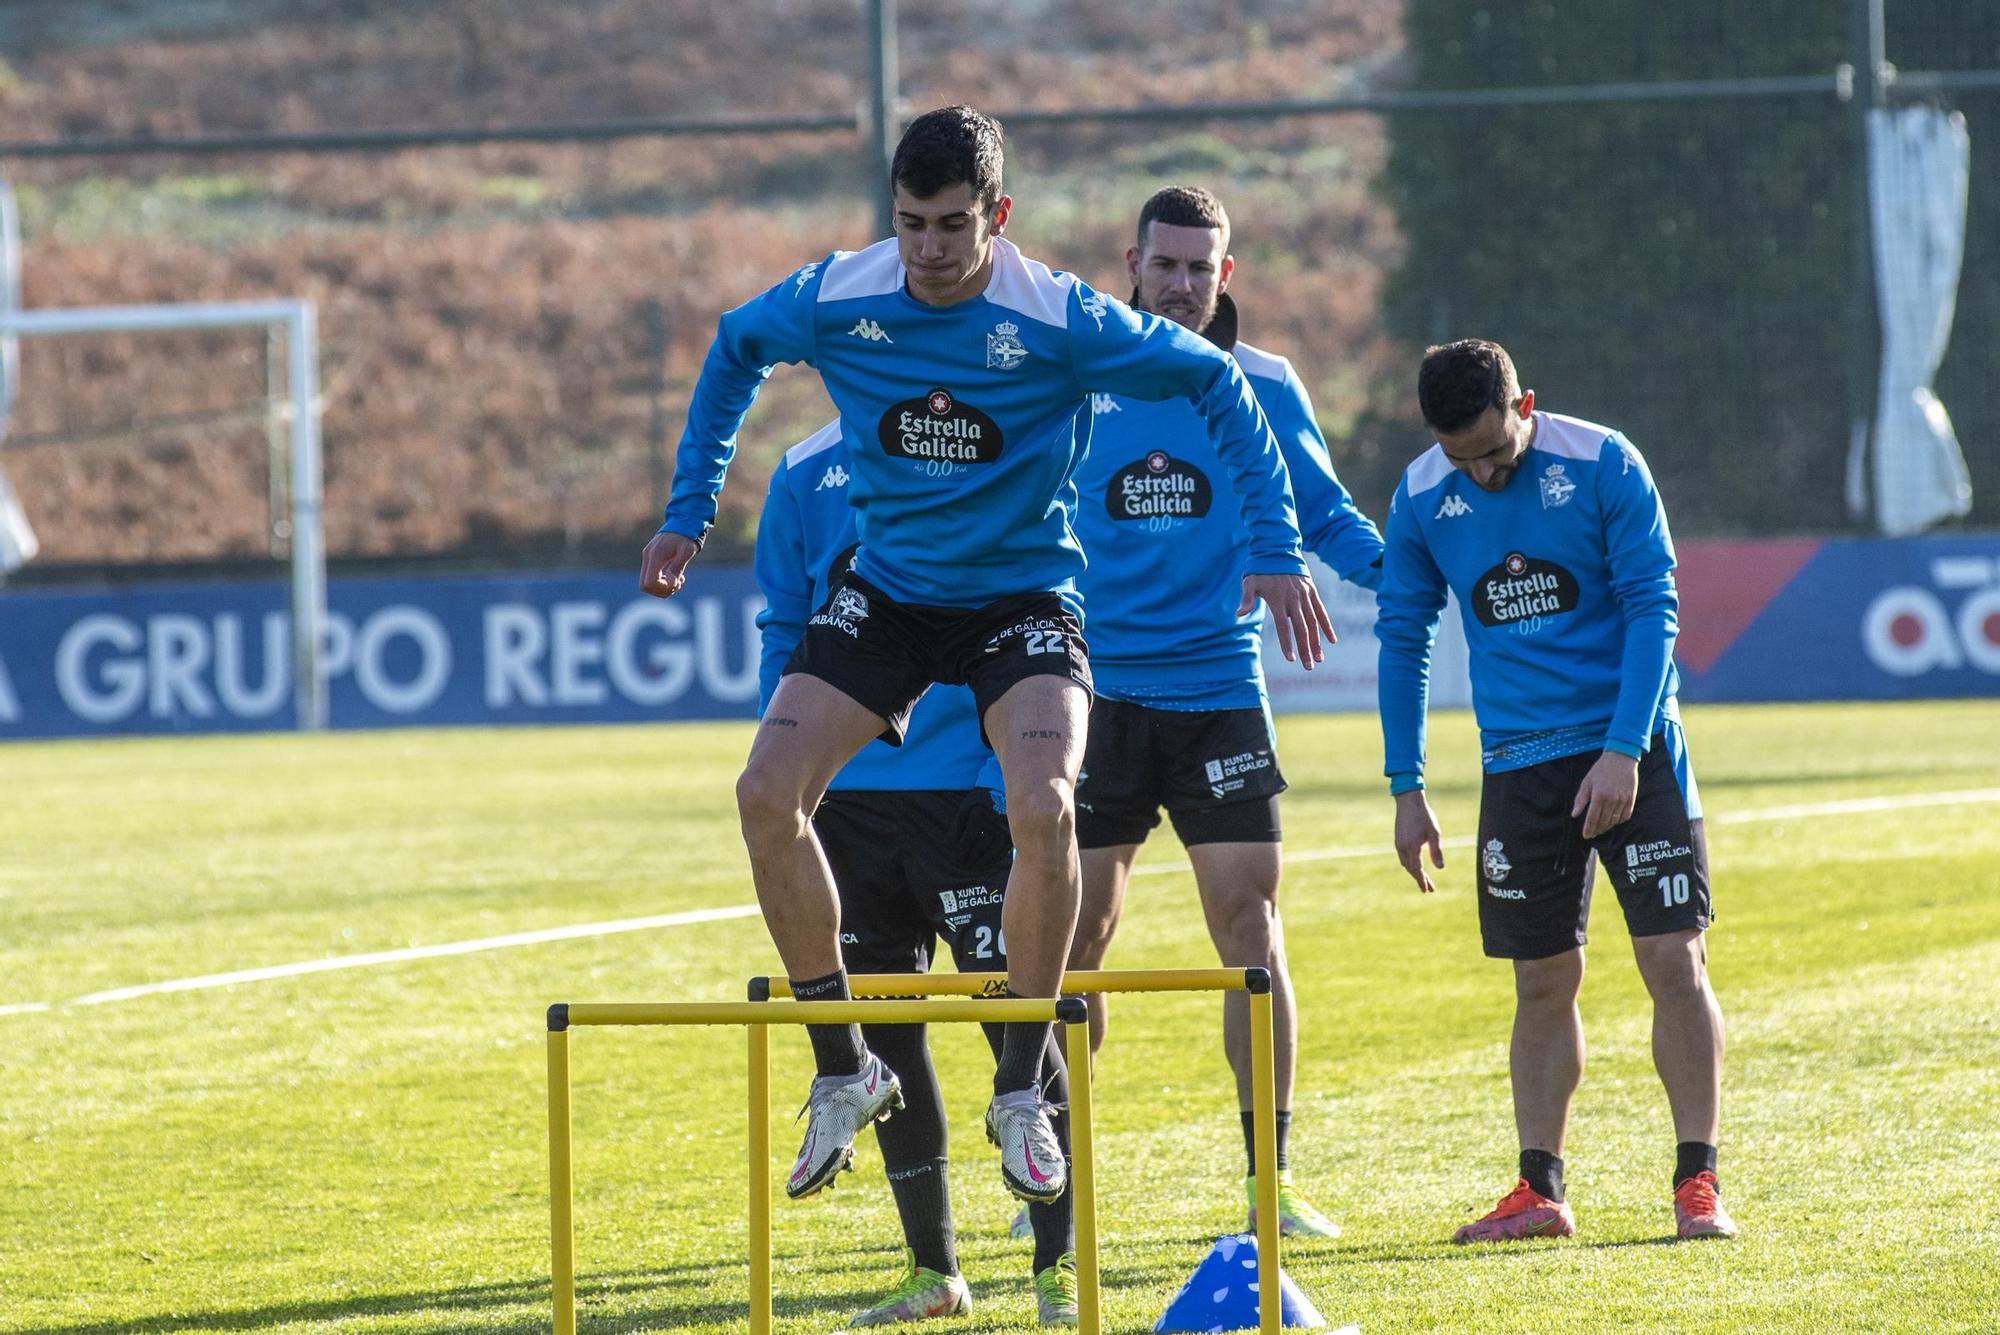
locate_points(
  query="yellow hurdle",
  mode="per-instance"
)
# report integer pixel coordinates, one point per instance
(886, 999)
(757, 1017)
(1263, 1094)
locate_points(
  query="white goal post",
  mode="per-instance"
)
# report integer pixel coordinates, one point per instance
(296, 317)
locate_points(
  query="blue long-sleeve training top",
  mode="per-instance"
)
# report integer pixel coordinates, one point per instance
(964, 418)
(1168, 548)
(806, 536)
(1565, 583)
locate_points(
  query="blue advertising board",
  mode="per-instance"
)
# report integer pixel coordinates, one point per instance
(1840, 619)
(491, 649)
(1795, 619)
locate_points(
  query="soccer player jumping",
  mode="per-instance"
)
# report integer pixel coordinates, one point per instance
(1549, 531)
(917, 853)
(961, 366)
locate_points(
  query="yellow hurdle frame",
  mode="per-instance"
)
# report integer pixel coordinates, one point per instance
(1076, 1047)
(882, 999)
(757, 1017)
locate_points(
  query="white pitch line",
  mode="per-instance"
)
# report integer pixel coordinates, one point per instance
(1850, 806)
(1853, 806)
(547, 934)
(580, 931)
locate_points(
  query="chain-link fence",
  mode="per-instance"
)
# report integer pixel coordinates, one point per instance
(510, 329)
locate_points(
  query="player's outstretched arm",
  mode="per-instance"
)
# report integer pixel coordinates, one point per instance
(1416, 830)
(663, 565)
(1296, 608)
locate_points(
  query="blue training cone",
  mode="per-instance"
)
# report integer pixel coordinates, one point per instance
(1221, 1294)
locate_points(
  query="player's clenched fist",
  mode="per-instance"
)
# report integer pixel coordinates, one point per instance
(663, 566)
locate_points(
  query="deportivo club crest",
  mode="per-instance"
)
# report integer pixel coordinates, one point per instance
(1556, 487)
(1004, 348)
(1494, 861)
(850, 605)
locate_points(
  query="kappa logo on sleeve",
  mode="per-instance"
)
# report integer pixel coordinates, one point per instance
(804, 276)
(1095, 307)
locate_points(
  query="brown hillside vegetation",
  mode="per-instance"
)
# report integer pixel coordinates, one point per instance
(488, 315)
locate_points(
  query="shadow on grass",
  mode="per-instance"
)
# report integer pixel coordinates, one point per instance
(648, 1292)
(531, 1295)
(1480, 1251)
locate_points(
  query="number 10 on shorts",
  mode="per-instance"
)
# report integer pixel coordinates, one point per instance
(1673, 890)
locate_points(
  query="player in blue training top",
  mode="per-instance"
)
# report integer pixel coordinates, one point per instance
(958, 367)
(1550, 532)
(917, 852)
(1181, 719)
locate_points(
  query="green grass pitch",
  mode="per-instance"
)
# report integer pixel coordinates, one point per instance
(365, 1149)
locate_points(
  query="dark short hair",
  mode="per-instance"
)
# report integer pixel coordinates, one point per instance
(1459, 381)
(1184, 206)
(947, 147)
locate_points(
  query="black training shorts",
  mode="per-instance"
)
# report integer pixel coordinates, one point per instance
(885, 654)
(902, 885)
(1215, 771)
(1536, 870)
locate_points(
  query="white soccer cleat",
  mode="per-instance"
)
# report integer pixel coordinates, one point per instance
(1031, 1158)
(837, 1109)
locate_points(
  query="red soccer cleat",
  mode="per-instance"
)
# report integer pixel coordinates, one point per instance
(1521, 1213)
(1698, 1211)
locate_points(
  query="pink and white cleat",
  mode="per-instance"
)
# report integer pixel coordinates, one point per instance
(1031, 1158)
(1698, 1211)
(1521, 1213)
(838, 1107)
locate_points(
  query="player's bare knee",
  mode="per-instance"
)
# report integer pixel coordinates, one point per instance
(1250, 931)
(1043, 818)
(1673, 966)
(1095, 925)
(768, 807)
(1551, 982)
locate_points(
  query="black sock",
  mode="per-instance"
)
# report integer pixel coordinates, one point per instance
(913, 1146)
(923, 1199)
(1054, 1222)
(1544, 1172)
(837, 1048)
(1250, 1140)
(1021, 1049)
(1691, 1157)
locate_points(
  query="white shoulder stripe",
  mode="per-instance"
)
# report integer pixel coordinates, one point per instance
(1257, 362)
(818, 442)
(1029, 286)
(873, 272)
(1428, 471)
(1570, 437)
